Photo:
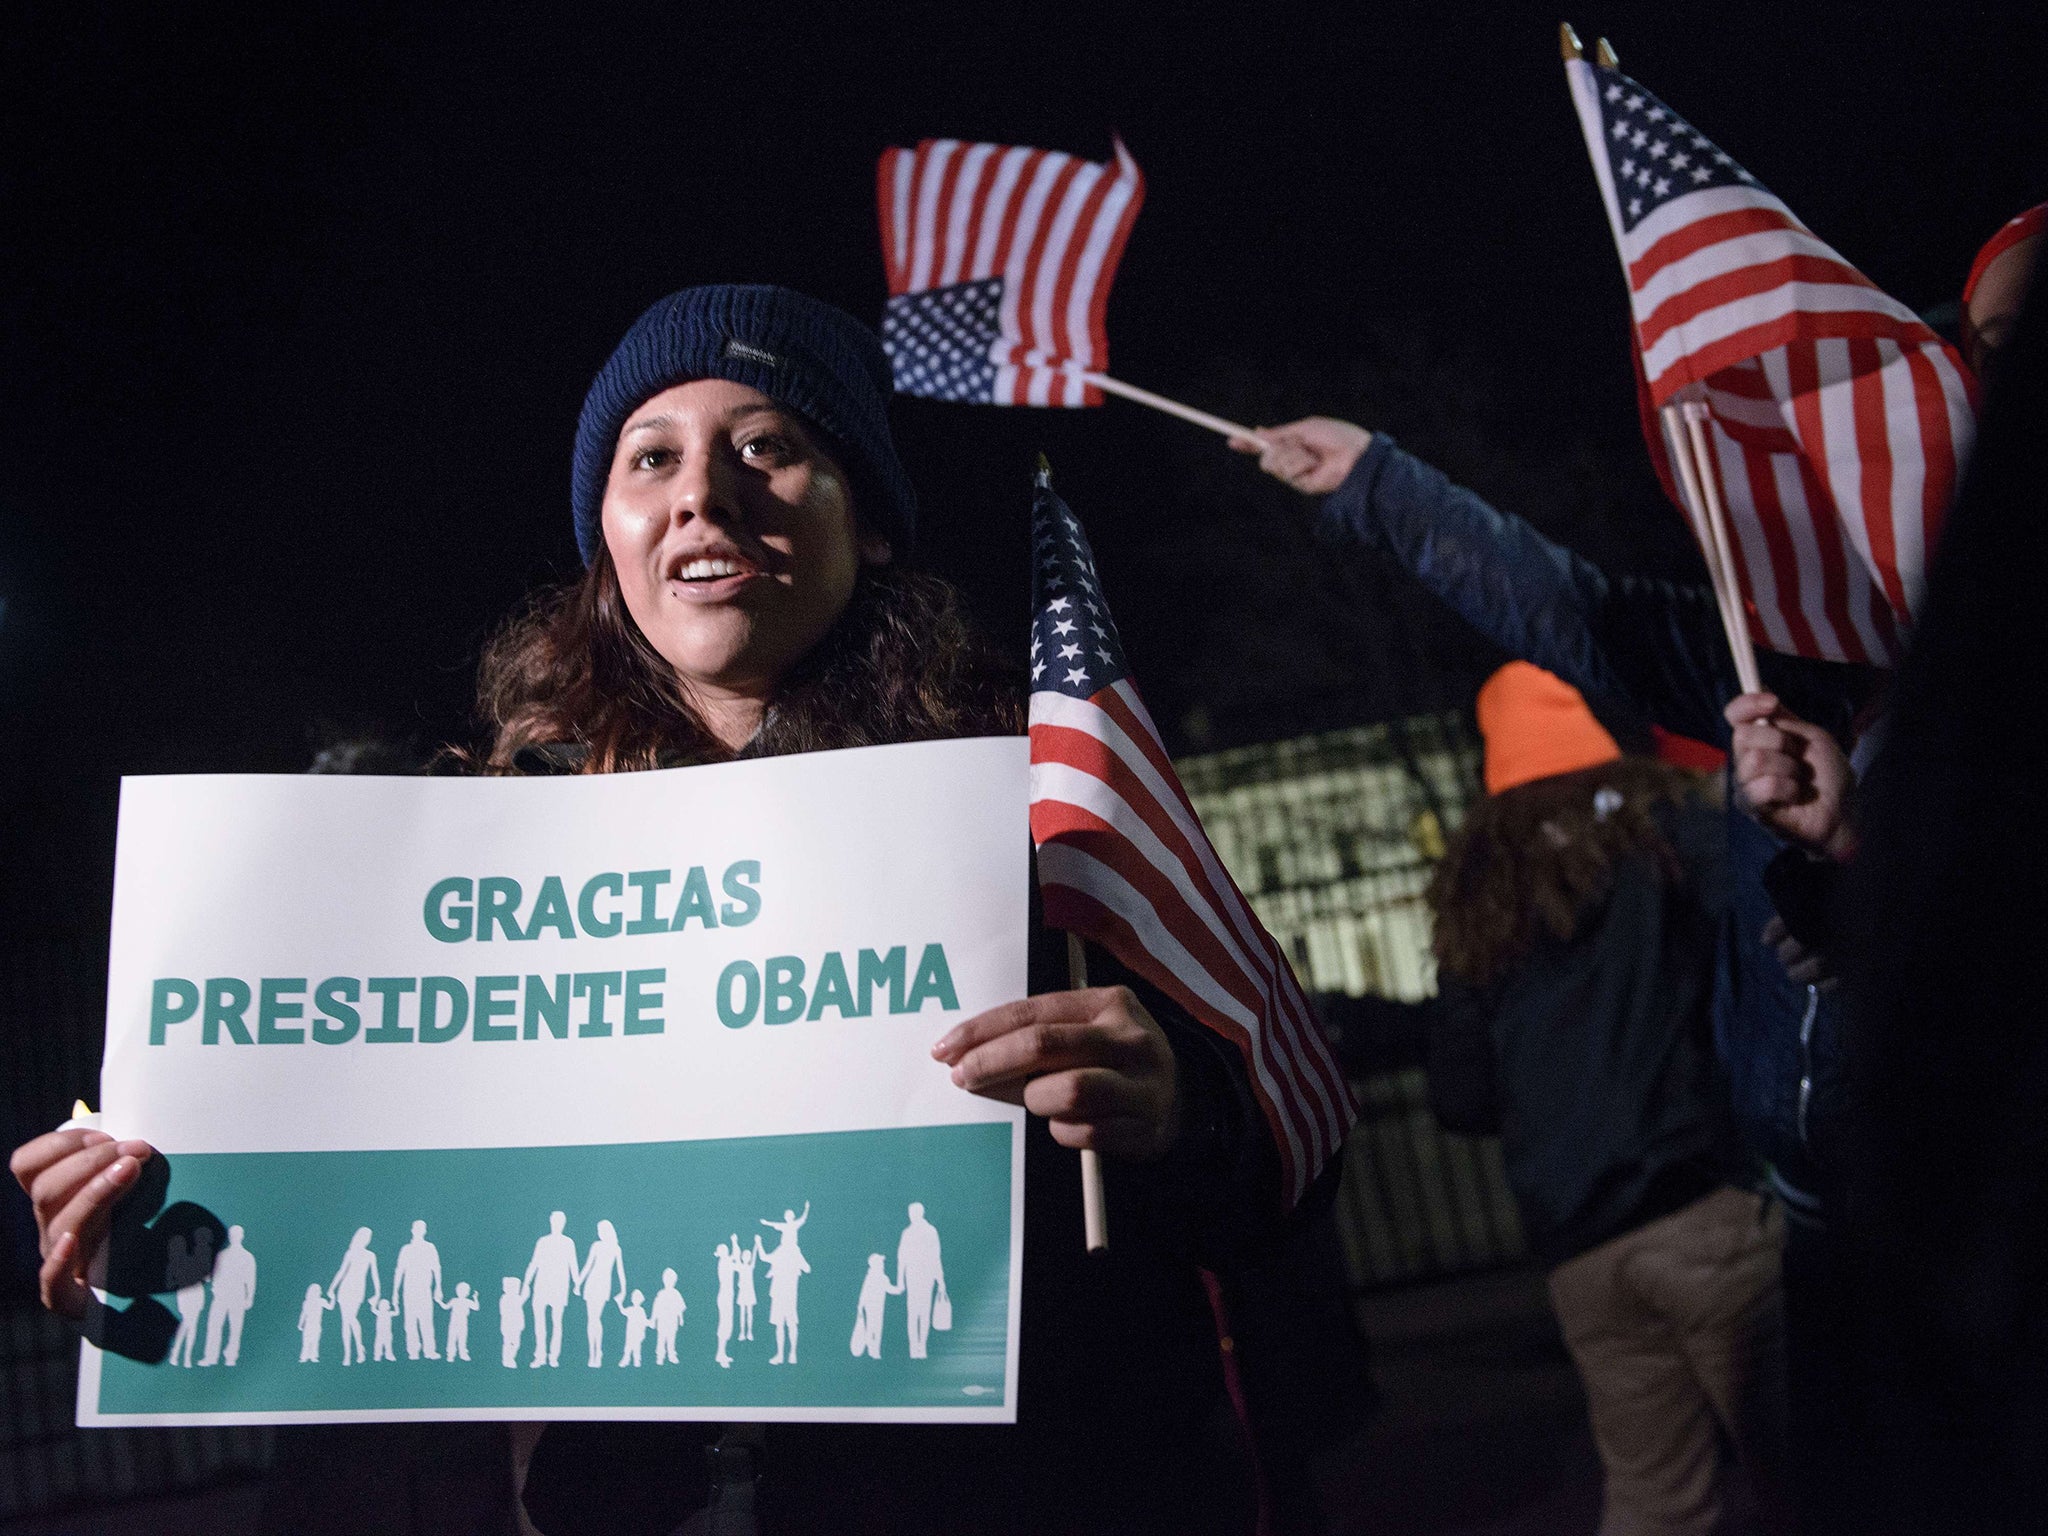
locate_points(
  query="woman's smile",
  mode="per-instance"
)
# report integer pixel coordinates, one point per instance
(714, 576)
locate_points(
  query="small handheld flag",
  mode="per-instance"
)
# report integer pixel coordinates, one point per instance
(1815, 423)
(1123, 860)
(1000, 259)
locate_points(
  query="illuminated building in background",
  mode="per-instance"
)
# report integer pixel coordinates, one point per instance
(1333, 839)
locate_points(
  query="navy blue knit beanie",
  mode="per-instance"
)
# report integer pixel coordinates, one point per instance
(817, 360)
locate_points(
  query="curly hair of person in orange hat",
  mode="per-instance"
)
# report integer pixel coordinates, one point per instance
(1565, 806)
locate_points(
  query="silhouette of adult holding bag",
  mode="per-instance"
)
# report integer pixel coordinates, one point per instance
(922, 1273)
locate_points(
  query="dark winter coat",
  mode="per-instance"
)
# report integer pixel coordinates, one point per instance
(1657, 647)
(1593, 1057)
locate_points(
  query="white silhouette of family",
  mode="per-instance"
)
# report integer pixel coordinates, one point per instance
(552, 1276)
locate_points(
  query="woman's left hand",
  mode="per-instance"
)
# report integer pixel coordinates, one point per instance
(1092, 1062)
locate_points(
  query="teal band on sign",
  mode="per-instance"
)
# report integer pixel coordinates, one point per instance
(826, 1210)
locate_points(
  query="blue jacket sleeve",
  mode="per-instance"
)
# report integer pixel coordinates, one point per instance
(1656, 645)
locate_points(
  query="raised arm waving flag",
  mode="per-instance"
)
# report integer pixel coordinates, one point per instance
(1832, 418)
(1123, 860)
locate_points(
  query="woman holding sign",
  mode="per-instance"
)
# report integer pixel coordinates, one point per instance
(742, 515)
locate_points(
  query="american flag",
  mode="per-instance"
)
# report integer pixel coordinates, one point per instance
(1837, 418)
(1000, 260)
(1123, 860)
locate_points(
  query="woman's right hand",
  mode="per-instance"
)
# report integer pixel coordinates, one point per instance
(74, 1179)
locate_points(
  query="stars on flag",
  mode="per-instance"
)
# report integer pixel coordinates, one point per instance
(939, 341)
(1075, 632)
(1661, 155)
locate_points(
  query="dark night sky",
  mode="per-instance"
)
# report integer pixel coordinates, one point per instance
(299, 308)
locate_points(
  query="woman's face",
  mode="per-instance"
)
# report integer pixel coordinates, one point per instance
(733, 535)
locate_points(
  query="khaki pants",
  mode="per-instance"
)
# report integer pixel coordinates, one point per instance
(1678, 1332)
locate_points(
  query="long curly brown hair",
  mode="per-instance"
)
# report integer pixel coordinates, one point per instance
(1535, 858)
(904, 663)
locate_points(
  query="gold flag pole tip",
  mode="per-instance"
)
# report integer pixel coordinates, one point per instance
(1568, 42)
(82, 1118)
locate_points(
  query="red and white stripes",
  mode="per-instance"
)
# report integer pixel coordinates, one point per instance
(1839, 418)
(1122, 857)
(1051, 226)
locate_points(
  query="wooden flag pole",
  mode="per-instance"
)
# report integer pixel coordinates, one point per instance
(1685, 431)
(1695, 412)
(1094, 1217)
(1680, 448)
(1104, 382)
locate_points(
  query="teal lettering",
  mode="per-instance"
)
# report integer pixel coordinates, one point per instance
(597, 986)
(432, 990)
(551, 910)
(784, 990)
(227, 1006)
(647, 882)
(741, 1015)
(547, 1005)
(639, 1021)
(449, 923)
(586, 905)
(739, 882)
(337, 1021)
(934, 979)
(834, 991)
(696, 901)
(490, 1005)
(387, 1030)
(172, 1000)
(497, 905)
(874, 971)
(272, 1005)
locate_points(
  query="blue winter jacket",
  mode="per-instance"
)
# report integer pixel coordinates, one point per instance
(1658, 647)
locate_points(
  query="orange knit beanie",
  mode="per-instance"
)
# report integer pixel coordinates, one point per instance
(1536, 725)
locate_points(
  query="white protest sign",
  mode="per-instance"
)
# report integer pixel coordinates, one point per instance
(602, 1097)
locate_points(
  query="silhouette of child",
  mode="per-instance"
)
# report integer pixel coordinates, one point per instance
(667, 1314)
(386, 1309)
(459, 1306)
(512, 1319)
(748, 1296)
(636, 1328)
(312, 1313)
(875, 1291)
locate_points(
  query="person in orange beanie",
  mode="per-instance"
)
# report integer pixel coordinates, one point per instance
(1576, 914)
